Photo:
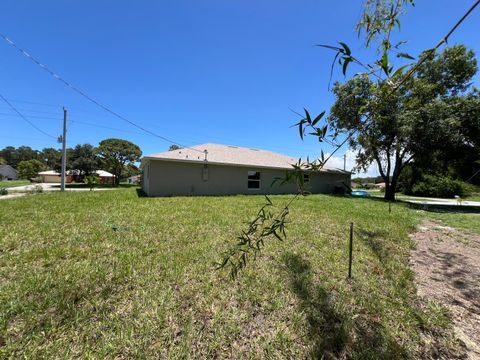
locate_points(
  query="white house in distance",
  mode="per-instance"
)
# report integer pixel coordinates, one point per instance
(215, 169)
(8, 173)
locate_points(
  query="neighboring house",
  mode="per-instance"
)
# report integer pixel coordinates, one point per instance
(105, 177)
(8, 173)
(214, 169)
(51, 176)
(135, 179)
(380, 185)
(354, 185)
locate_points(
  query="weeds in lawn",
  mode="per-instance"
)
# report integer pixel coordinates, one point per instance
(72, 286)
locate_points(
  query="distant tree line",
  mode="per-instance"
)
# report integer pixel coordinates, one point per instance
(116, 156)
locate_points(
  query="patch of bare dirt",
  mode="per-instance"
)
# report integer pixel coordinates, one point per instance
(447, 267)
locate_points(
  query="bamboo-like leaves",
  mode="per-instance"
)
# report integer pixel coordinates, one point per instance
(251, 241)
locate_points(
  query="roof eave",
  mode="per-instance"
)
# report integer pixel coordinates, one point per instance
(336, 171)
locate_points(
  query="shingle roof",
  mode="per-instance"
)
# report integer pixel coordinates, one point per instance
(230, 155)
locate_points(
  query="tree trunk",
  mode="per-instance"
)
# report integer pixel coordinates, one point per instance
(390, 191)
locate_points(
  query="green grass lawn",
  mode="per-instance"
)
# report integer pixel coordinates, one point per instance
(470, 222)
(113, 275)
(12, 183)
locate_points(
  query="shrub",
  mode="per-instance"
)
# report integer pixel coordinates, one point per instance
(91, 181)
(438, 186)
(3, 191)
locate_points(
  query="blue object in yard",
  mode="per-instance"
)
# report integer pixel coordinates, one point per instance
(360, 193)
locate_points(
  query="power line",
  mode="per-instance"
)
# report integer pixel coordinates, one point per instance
(86, 96)
(24, 118)
(412, 71)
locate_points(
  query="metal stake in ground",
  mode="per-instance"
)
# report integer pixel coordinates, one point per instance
(350, 252)
(64, 151)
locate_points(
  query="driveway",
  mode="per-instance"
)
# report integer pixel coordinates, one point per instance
(438, 201)
(446, 262)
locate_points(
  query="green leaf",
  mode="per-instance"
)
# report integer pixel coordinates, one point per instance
(399, 71)
(406, 56)
(345, 47)
(300, 129)
(346, 61)
(307, 116)
(329, 47)
(316, 120)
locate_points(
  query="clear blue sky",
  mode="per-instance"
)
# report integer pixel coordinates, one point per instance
(225, 71)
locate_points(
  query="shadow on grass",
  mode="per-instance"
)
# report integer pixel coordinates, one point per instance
(331, 329)
(326, 325)
(141, 193)
(374, 239)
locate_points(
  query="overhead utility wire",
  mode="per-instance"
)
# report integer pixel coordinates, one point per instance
(86, 96)
(414, 69)
(24, 118)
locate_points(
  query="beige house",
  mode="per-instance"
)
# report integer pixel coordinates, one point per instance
(51, 176)
(215, 169)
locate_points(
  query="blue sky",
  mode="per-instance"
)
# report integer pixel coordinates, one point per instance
(225, 71)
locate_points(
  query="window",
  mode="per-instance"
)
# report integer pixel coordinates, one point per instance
(306, 178)
(253, 180)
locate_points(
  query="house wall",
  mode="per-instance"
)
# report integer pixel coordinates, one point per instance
(50, 178)
(168, 178)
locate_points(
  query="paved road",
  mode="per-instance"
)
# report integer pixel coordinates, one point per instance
(437, 201)
(51, 187)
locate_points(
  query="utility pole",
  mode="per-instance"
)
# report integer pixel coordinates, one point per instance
(344, 161)
(64, 150)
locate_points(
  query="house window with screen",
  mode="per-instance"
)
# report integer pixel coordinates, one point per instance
(253, 180)
(306, 178)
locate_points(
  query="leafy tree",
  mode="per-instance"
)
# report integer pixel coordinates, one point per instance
(378, 96)
(26, 153)
(131, 170)
(9, 155)
(92, 181)
(116, 154)
(451, 130)
(83, 158)
(51, 157)
(425, 115)
(14, 156)
(28, 169)
(174, 147)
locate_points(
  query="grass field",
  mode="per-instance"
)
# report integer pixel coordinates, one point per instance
(470, 222)
(12, 183)
(114, 275)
